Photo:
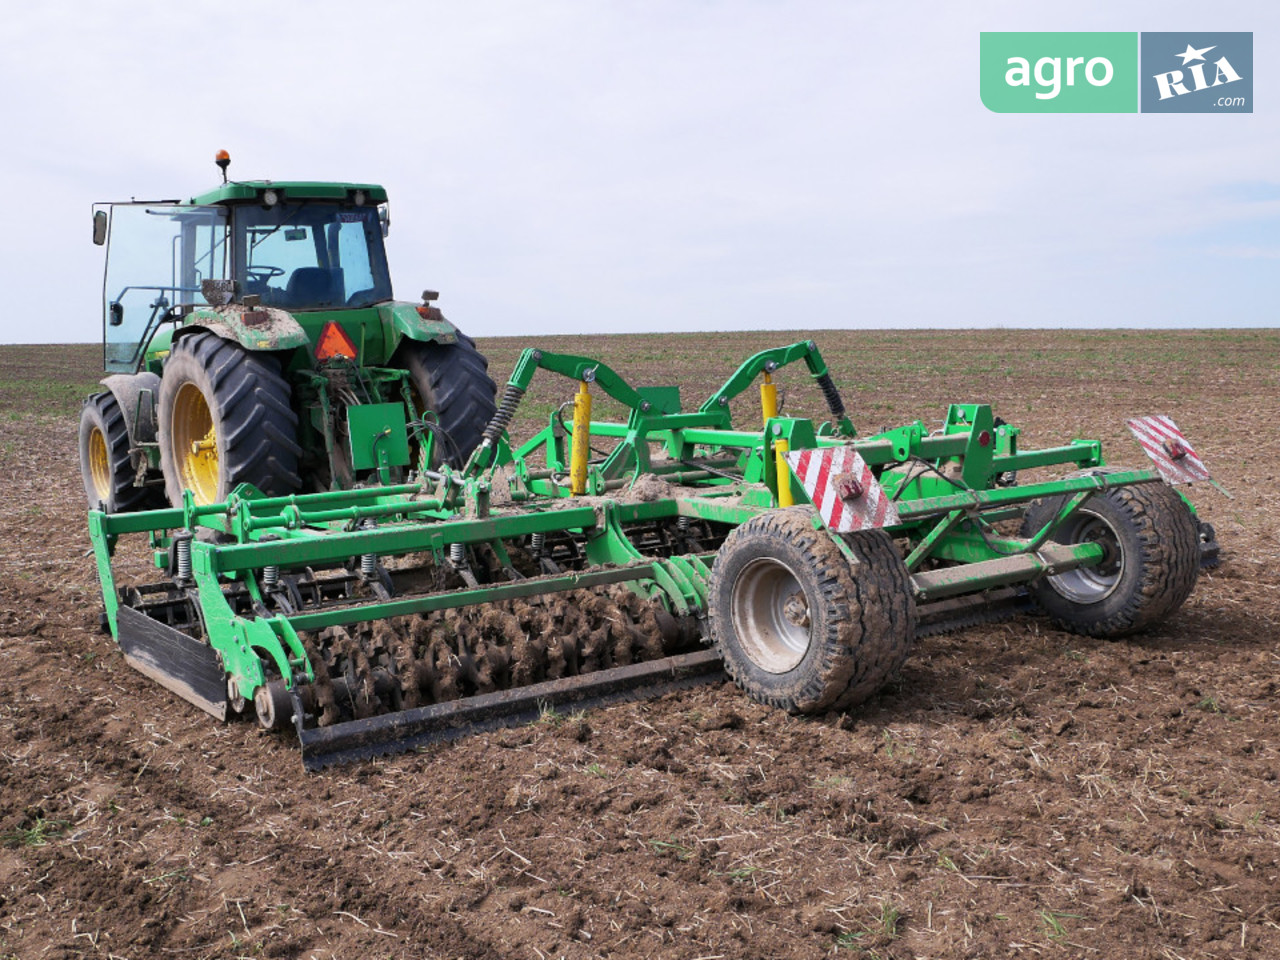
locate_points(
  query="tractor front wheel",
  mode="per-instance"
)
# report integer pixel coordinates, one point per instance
(798, 626)
(451, 380)
(225, 419)
(106, 465)
(1151, 557)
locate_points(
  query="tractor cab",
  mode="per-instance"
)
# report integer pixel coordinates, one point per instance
(309, 255)
(298, 246)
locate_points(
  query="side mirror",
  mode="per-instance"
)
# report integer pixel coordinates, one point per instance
(384, 218)
(99, 227)
(115, 313)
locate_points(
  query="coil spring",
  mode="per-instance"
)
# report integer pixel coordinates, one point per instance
(458, 554)
(834, 401)
(683, 524)
(182, 544)
(368, 561)
(537, 543)
(506, 410)
(270, 576)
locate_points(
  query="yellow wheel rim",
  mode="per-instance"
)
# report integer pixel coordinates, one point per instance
(195, 444)
(99, 465)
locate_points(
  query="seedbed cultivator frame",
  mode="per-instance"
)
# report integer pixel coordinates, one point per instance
(805, 558)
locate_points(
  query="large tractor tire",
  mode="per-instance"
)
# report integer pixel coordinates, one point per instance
(798, 626)
(1151, 558)
(106, 467)
(225, 419)
(452, 380)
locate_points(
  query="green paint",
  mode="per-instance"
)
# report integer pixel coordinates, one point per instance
(725, 476)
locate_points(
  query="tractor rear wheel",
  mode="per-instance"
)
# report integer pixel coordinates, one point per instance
(1151, 557)
(452, 380)
(798, 626)
(225, 419)
(105, 463)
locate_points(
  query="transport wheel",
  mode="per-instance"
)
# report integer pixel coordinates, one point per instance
(452, 380)
(1151, 558)
(105, 465)
(798, 626)
(225, 419)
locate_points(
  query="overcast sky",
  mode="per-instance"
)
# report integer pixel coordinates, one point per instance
(569, 166)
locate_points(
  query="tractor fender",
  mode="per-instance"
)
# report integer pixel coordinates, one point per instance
(407, 322)
(254, 328)
(136, 394)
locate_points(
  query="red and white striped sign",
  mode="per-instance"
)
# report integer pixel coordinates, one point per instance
(1168, 449)
(841, 486)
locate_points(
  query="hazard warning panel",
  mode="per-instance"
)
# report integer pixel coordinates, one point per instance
(842, 488)
(1168, 449)
(334, 342)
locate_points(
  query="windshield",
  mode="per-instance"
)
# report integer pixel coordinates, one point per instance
(311, 255)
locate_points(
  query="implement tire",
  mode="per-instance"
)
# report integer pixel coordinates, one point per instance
(105, 464)
(799, 627)
(451, 380)
(1152, 558)
(225, 419)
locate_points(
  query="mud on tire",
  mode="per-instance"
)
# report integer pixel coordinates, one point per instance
(797, 625)
(246, 403)
(1151, 560)
(452, 380)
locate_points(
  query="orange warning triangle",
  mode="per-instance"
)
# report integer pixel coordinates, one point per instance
(334, 342)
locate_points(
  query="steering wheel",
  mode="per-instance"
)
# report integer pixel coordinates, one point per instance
(263, 274)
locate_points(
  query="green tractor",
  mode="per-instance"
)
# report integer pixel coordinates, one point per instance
(250, 336)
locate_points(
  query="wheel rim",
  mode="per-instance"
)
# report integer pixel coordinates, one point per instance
(195, 444)
(1094, 583)
(99, 464)
(771, 615)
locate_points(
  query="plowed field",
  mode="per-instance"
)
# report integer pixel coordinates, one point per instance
(1019, 791)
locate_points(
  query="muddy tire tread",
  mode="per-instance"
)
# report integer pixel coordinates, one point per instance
(1166, 537)
(866, 621)
(250, 402)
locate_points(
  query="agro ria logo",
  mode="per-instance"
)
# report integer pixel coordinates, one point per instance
(1174, 84)
(1197, 72)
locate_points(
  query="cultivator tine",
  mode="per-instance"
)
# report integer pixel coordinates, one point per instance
(443, 722)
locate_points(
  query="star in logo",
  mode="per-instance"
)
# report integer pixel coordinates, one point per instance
(1191, 53)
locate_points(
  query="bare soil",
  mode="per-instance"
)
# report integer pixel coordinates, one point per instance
(1018, 792)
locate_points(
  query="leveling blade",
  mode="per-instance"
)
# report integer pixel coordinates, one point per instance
(180, 663)
(442, 722)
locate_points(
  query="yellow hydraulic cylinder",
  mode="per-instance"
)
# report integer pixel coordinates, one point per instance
(581, 449)
(780, 448)
(768, 398)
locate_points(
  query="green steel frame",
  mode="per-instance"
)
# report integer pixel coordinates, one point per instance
(955, 489)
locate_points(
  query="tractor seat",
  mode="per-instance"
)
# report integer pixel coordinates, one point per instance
(309, 287)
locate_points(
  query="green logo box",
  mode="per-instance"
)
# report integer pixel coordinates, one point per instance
(1059, 72)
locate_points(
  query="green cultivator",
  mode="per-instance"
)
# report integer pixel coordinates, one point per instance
(601, 560)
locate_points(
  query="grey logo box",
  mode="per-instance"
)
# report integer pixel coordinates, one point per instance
(1197, 72)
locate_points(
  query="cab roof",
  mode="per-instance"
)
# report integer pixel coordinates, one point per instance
(241, 191)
